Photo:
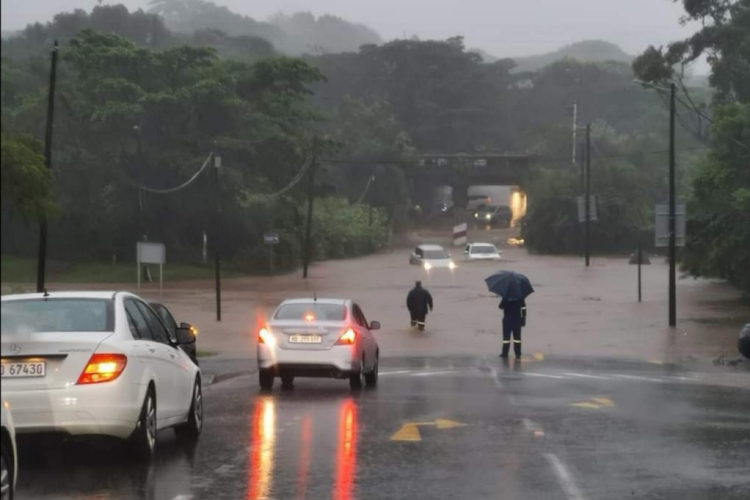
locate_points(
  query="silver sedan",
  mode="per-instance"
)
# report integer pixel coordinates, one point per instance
(327, 338)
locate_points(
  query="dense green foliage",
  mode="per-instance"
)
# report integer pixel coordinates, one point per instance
(25, 180)
(719, 209)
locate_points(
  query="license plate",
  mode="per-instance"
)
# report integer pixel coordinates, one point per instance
(305, 339)
(22, 369)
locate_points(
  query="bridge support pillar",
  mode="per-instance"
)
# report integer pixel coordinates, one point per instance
(460, 194)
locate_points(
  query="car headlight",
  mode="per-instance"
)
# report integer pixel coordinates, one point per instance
(476, 216)
(427, 266)
(487, 216)
(451, 265)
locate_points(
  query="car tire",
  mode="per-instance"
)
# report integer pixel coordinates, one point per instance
(142, 443)
(371, 379)
(191, 430)
(357, 379)
(6, 473)
(265, 379)
(287, 381)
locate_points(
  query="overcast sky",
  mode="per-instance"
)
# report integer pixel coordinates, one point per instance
(501, 27)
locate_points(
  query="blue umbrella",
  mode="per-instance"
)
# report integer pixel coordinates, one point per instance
(509, 285)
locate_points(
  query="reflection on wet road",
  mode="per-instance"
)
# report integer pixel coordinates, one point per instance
(543, 428)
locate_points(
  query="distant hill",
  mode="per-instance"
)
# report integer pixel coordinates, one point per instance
(486, 56)
(586, 51)
(295, 34)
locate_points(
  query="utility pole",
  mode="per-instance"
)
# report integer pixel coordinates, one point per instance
(217, 252)
(672, 212)
(587, 195)
(582, 161)
(42, 255)
(310, 198)
(575, 129)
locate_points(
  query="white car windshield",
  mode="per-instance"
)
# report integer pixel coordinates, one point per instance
(483, 249)
(311, 311)
(435, 254)
(57, 315)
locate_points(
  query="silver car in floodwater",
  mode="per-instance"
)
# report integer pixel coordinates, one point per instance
(329, 338)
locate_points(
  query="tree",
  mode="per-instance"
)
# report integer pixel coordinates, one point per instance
(25, 179)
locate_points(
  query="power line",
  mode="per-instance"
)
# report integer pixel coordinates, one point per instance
(300, 175)
(180, 187)
(367, 188)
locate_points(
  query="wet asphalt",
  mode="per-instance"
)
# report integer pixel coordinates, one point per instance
(439, 428)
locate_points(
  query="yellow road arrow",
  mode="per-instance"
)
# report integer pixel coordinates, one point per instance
(595, 403)
(410, 430)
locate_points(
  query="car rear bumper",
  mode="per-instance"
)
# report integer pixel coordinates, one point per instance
(102, 409)
(337, 362)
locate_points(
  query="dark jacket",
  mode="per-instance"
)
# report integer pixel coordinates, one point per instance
(514, 312)
(419, 300)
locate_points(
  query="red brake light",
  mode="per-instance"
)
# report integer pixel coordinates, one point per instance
(103, 368)
(347, 338)
(309, 317)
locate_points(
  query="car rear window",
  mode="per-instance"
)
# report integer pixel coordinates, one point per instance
(435, 254)
(319, 311)
(483, 249)
(57, 315)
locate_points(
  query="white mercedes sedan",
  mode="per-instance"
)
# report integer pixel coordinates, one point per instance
(97, 363)
(318, 338)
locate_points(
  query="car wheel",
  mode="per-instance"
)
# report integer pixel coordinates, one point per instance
(265, 379)
(191, 430)
(6, 474)
(287, 381)
(371, 379)
(143, 440)
(357, 379)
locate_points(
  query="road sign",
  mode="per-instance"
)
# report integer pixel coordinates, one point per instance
(151, 253)
(459, 234)
(410, 430)
(593, 215)
(271, 239)
(662, 224)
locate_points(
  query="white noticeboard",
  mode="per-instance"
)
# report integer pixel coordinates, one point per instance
(459, 234)
(151, 253)
(662, 224)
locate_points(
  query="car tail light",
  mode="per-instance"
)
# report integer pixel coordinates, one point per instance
(265, 336)
(348, 338)
(103, 368)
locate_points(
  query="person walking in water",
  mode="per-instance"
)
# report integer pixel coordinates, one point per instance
(419, 302)
(514, 318)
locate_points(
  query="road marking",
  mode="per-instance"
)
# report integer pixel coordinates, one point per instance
(495, 379)
(543, 375)
(585, 375)
(538, 356)
(636, 377)
(410, 430)
(567, 483)
(441, 372)
(183, 497)
(595, 403)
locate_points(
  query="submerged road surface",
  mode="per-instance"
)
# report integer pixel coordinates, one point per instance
(440, 428)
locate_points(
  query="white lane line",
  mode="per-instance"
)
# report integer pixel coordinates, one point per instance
(585, 375)
(495, 378)
(567, 483)
(636, 377)
(543, 375)
(395, 372)
(441, 372)
(183, 497)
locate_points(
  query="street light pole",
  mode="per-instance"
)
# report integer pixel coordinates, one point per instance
(310, 197)
(575, 129)
(42, 255)
(672, 212)
(587, 195)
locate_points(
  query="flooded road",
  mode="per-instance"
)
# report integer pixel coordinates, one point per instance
(439, 428)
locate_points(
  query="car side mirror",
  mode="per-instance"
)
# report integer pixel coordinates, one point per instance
(375, 325)
(185, 336)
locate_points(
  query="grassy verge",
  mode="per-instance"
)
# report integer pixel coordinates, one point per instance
(23, 270)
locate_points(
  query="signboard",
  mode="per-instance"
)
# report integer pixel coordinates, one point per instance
(593, 215)
(459, 234)
(271, 239)
(662, 224)
(151, 253)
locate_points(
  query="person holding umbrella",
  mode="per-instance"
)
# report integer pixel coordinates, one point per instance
(513, 288)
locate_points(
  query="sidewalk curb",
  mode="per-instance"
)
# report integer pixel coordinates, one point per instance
(223, 377)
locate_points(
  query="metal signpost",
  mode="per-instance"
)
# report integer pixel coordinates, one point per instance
(593, 214)
(271, 240)
(151, 253)
(662, 224)
(459, 234)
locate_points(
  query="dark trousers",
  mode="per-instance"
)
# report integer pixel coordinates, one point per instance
(511, 330)
(417, 319)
